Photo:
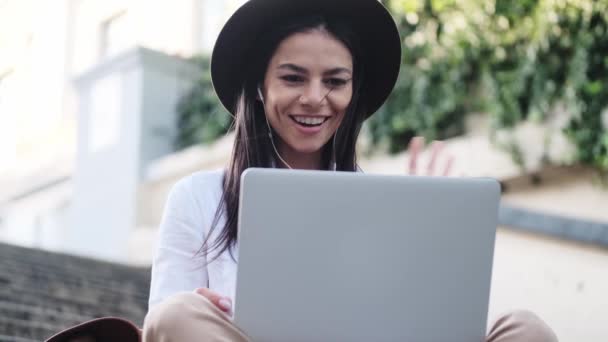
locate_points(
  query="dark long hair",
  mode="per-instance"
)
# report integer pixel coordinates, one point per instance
(252, 144)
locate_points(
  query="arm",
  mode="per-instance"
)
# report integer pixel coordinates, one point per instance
(177, 265)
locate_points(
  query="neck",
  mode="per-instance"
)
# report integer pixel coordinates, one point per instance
(298, 160)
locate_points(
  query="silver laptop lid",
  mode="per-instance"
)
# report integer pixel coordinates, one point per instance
(337, 256)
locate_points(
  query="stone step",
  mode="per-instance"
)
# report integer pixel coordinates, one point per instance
(58, 260)
(19, 277)
(42, 293)
(78, 306)
(95, 295)
(64, 262)
(72, 282)
(25, 329)
(6, 338)
(34, 313)
(137, 277)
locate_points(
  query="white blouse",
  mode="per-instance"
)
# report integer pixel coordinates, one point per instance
(178, 264)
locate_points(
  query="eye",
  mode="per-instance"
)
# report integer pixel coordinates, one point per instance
(336, 82)
(292, 78)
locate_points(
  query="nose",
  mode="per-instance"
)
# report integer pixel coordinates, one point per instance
(314, 94)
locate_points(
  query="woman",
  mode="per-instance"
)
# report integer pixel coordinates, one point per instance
(300, 77)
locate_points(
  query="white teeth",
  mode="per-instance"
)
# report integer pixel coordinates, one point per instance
(308, 120)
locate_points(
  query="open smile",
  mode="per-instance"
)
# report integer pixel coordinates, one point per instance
(309, 121)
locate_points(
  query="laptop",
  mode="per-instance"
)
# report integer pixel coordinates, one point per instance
(343, 256)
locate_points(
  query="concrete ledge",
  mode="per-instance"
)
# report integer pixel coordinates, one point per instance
(555, 225)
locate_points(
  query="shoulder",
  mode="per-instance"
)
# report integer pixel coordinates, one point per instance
(199, 189)
(201, 180)
(209, 180)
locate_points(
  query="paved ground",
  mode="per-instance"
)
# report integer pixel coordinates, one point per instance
(572, 192)
(563, 282)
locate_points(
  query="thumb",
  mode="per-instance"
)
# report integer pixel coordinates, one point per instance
(223, 303)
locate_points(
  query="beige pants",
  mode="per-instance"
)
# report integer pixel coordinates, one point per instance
(189, 317)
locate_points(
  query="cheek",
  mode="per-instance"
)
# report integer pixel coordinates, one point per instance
(341, 101)
(280, 98)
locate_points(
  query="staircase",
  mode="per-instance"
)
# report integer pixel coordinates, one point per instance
(42, 293)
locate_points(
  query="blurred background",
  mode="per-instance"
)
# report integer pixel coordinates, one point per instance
(104, 105)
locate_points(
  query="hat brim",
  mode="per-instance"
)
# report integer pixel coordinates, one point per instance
(101, 329)
(370, 20)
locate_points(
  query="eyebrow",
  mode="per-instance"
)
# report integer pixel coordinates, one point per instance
(302, 70)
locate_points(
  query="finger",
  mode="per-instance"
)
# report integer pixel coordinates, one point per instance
(436, 148)
(448, 166)
(223, 303)
(414, 148)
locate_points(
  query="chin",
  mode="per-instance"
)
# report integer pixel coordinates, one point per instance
(310, 147)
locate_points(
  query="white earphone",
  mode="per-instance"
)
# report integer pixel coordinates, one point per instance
(270, 130)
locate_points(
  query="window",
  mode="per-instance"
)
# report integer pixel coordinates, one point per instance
(8, 120)
(4, 89)
(115, 35)
(3, 78)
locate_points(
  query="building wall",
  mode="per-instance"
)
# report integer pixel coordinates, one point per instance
(44, 46)
(38, 220)
(32, 76)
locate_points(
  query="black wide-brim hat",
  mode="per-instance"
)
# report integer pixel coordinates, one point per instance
(100, 329)
(369, 19)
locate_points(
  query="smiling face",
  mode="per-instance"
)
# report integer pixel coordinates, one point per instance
(307, 89)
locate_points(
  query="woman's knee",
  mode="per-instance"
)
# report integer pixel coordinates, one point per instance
(521, 326)
(170, 314)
